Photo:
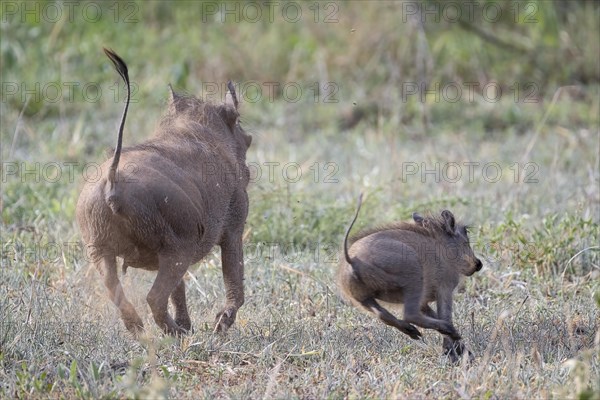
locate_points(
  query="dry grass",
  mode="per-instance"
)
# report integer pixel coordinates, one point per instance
(531, 316)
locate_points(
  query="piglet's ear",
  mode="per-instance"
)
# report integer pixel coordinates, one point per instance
(418, 219)
(231, 97)
(449, 222)
(172, 94)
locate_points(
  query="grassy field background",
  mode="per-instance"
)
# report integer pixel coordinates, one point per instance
(493, 114)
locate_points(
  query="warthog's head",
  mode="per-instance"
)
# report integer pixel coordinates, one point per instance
(454, 239)
(188, 112)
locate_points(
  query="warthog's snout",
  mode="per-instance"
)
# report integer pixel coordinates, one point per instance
(478, 265)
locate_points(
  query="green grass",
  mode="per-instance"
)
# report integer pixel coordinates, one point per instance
(531, 315)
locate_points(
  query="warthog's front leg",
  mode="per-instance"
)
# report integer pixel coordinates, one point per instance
(455, 349)
(233, 275)
(182, 318)
(413, 314)
(107, 266)
(170, 273)
(452, 348)
(428, 311)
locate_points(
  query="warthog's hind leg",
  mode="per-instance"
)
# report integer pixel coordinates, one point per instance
(372, 305)
(182, 318)
(170, 273)
(233, 276)
(108, 267)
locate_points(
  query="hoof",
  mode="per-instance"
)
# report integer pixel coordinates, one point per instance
(448, 329)
(224, 320)
(455, 351)
(175, 331)
(413, 332)
(134, 325)
(184, 323)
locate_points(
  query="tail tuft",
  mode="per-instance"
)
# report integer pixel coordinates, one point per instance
(118, 62)
(121, 68)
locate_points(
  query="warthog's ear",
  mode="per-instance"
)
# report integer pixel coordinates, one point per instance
(449, 222)
(174, 105)
(231, 97)
(229, 113)
(418, 219)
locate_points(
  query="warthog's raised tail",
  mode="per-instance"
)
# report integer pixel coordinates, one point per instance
(121, 68)
(346, 254)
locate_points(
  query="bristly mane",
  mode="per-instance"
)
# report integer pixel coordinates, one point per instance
(189, 113)
(187, 107)
(190, 120)
(433, 227)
